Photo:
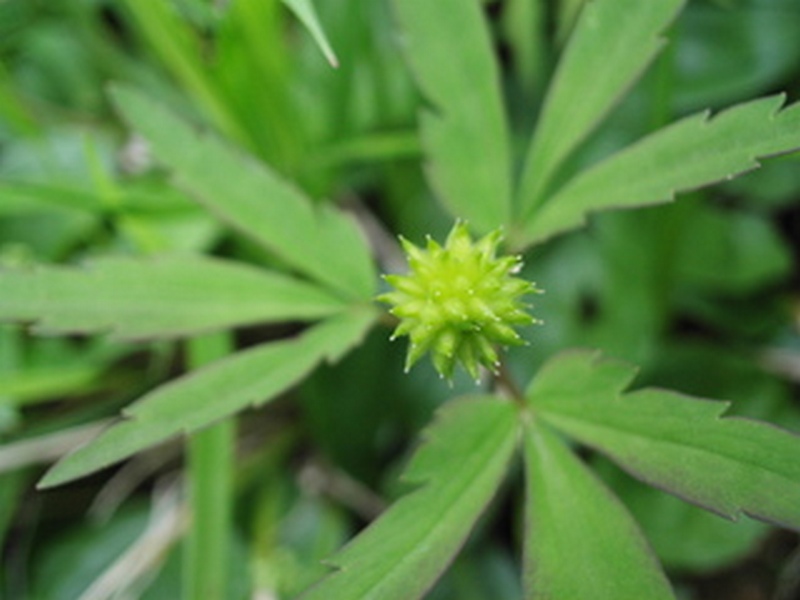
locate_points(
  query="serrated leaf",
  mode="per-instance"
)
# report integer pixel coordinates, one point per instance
(461, 465)
(611, 45)
(248, 378)
(681, 444)
(165, 297)
(465, 134)
(246, 194)
(691, 153)
(574, 524)
(306, 13)
(683, 536)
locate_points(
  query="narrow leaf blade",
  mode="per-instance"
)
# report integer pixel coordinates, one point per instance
(246, 194)
(306, 13)
(677, 443)
(574, 524)
(157, 298)
(612, 44)
(465, 134)
(694, 152)
(202, 397)
(462, 464)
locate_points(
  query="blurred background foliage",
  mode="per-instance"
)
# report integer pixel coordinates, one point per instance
(704, 294)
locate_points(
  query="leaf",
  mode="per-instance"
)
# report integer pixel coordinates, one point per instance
(681, 444)
(248, 378)
(694, 152)
(726, 55)
(684, 537)
(731, 251)
(304, 10)
(244, 193)
(611, 45)
(524, 25)
(401, 555)
(465, 134)
(166, 297)
(174, 42)
(574, 524)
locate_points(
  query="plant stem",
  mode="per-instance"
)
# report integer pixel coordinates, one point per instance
(210, 457)
(506, 383)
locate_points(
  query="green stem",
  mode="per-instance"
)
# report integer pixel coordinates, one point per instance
(210, 459)
(506, 382)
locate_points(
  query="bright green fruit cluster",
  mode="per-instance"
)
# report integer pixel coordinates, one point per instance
(459, 301)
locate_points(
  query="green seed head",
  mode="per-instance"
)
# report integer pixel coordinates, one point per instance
(459, 301)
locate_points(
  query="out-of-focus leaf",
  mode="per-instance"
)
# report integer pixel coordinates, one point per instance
(254, 69)
(322, 242)
(11, 487)
(40, 369)
(691, 153)
(66, 566)
(248, 378)
(46, 234)
(774, 186)
(295, 533)
(580, 541)
(174, 42)
(684, 536)
(400, 556)
(29, 385)
(730, 251)
(485, 570)
(725, 54)
(304, 10)
(524, 25)
(612, 44)
(465, 134)
(677, 443)
(20, 197)
(173, 296)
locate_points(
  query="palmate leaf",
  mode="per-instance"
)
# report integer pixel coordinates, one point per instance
(610, 47)
(691, 153)
(683, 445)
(248, 378)
(460, 468)
(157, 298)
(575, 525)
(319, 241)
(465, 134)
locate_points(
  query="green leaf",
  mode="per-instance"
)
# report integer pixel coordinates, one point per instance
(691, 153)
(677, 443)
(177, 47)
(574, 524)
(613, 42)
(733, 52)
(248, 378)
(304, 10)
(465, 134)
(401, 555)
(524, 25)
(244, 193)
(683, 536)
(731, 251)
(165, 297)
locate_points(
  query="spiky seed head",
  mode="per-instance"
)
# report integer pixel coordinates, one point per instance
(459, 301)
